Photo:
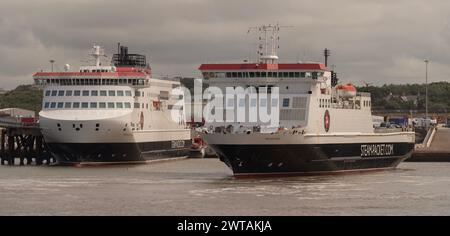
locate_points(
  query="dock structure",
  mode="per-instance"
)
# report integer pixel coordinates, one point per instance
(22, 140)
(435, 147)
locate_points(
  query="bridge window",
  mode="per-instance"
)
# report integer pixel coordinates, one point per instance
(102, 105)
(285, 102)
(93, 105)
(241, 102)
(68, 105)
(274, 102)
(94, 93)
(263, 102)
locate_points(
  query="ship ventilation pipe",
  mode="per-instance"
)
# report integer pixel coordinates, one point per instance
(326, 54)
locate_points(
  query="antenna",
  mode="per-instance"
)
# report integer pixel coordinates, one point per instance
(268, 42)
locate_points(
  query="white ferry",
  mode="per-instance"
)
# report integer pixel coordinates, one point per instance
(112, 114)
(322, 127)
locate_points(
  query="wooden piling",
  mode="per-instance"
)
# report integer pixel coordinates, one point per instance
(11, 150)
(24, 142)
(39, 148)
(2, 146)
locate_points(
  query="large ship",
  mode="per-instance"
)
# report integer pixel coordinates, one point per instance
(321, 126)
(113, 113)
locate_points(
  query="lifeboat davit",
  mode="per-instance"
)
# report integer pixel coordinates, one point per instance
(346, 90)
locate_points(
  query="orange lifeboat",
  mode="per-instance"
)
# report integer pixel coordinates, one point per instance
(346, 90)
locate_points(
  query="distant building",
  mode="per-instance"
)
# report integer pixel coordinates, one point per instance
(16, 113)
(403, 98)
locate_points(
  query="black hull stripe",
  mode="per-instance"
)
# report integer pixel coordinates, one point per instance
(317, 159)
(118, 152)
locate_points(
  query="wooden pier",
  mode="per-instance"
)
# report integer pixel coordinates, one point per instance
(22, 141)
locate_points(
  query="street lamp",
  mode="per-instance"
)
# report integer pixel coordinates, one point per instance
(426, 88)
(52, 61)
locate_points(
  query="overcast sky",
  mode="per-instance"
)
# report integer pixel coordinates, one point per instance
(382, 41)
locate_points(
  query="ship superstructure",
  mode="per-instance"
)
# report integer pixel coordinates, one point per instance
(320, 126)
(115, 113)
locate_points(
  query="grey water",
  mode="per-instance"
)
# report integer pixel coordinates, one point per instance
(207, 187)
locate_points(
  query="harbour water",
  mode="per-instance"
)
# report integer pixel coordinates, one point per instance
(206, 187)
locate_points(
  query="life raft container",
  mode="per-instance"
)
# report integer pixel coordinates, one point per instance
(346, 90)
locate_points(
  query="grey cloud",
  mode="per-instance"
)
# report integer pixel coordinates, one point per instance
(373, 41)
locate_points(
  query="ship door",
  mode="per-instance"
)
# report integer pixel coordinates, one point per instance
(141, 120)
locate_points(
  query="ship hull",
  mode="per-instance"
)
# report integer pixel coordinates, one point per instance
(307, 159)
(117, 153)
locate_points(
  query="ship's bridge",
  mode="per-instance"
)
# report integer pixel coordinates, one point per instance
(260, 70)
(130, 76)
(126, 69)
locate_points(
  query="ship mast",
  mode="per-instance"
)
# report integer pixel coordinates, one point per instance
(97, 53)
(268, 42)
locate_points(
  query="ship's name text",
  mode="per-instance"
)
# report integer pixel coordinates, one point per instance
(369, 150)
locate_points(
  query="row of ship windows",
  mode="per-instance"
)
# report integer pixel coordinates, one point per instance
(326, 103)
(262, 102)
(262, 74)
(103, 105)
(92, 105)
(367, 103)
(93, 81)
(85, 93)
